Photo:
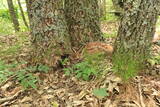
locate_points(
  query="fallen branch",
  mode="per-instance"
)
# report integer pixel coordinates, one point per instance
(3, 100)
(140, 93)
(7, 80)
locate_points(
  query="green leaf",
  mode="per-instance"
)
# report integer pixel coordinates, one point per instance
(152, 61)
(63, 62)
(68, 69)
(86, 77)
(32, 83)
(67, 73)
(77, 71)
(43, 68)
(79, 75)
(100, 93)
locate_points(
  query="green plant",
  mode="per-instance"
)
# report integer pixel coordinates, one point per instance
(26, 79)
(14, 46)
(87, 68)
(126, 65)
(84, 70)
(154, 60)
(4, 72)
(43, 68)
(24, 76)
(4, 13)
(4, 75)
(107, 35)
(5, 27)
(100, 93)
(109, 18)
(81, 70)
(65, 61)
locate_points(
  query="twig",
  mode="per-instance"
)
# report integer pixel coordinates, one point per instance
(7, 80)
(2, 100)
(140, 93)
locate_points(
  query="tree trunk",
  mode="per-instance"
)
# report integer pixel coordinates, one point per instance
(49, 31)
(13, 15)
(102, 8)
(118, 4)
(136, 30)
(28, 5)
(83, 21)
(118, 7)
(22, 13)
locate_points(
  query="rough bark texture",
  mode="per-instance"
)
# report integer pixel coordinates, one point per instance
(13, 15)
(49, 31)
(118, 5)
(102, 7)
(22, 13)
(28, 5)
(136, 31)
(83, 21)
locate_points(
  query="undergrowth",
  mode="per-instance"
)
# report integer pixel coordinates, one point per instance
(13, 46)
(6, 26)
(4, 71)
(109, 17)
(126, 66)
(88, 68)
(154, 60)
(108, 35)
(24, 76)
(4, 13)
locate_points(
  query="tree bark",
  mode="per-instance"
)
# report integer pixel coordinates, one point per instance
(102, 8)
(22, 13)
(135, 33)
(28, 5)
(49, 31)
(13, 15)
(118, 7)
(83, 21)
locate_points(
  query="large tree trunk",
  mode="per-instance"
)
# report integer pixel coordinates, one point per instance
(83, 21)
(13, 15)
(136, 30)
(22, 13)
(49, 32)
(28, 5)
(118, 7)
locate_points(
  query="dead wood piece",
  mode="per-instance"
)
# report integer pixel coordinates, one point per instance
(140, 93)
(3, 100)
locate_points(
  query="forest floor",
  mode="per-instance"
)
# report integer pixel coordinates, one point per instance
(55, 89)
